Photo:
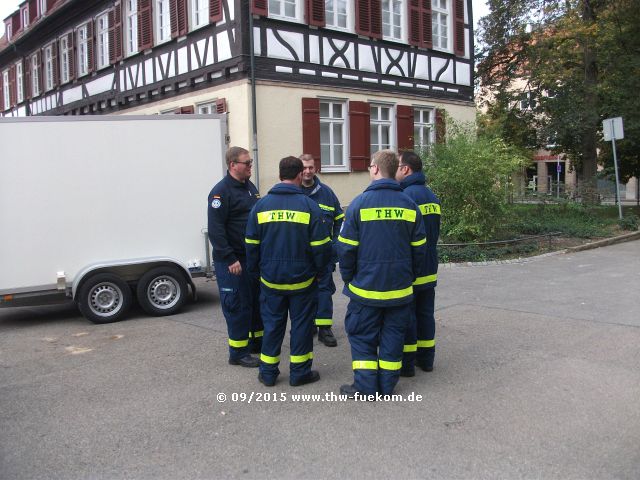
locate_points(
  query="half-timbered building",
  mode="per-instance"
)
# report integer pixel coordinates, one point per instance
(339, 79)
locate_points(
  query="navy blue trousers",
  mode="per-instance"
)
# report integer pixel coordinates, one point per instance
(239, 301)
(420, 343)
(301, 307)
(376, 335)
(326, 289)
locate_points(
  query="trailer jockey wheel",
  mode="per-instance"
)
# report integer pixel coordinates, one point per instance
(162, 291)
(104, 298)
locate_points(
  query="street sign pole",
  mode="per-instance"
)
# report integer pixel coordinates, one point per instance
(613, 130)
(558, 168)
(615, 166)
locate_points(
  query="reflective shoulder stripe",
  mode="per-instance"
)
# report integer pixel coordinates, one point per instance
(410, 348)
(426, 279)
(388, 295)
(301, 358)
(365, 365)
(284, 216)
(426, 343)
(419, 242)
(251, 240)
(338, 217)
(326, 207)
(288, 286)
(390, 365)
(268, 359)
(348, 241)
(238, 343)
(430, 209)
(320, 242)
(387, 213)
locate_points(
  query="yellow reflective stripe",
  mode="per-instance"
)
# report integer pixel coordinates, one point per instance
(324, 321)
(419, 242)
(301, 358)
(268, 359)
(370, 214)
(348, 241)
(288, 286)
(320, 242)
(388, 295)
(410, 348)
(257, 334)
(338, 217)
(390, 365)
(251, 240)
(430, 209)
(238, 343)
(284, 216)
(364, 365)
(326, 207)
(426, 279)
(426, 343)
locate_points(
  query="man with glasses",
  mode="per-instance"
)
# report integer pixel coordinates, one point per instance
(330, 206)
(420, 343)
(381, 252)
(230, 202)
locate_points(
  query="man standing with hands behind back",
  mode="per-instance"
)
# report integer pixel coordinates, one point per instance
(230, 202)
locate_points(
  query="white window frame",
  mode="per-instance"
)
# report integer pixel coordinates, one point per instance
(19, 82)
(436, 15)
(6, 90)
(198, 13)
(65, 65)
(162, 31)
(43, 6)
(401, 22)
(102, 41)
(350, 9)
(206, 108)
(83, 49)
(131, 27)
(25, 17)
(280, 15)
(48, 67)
(380, 125)
(426, 123)
(335, 164)
(35, 76)
(9, 31)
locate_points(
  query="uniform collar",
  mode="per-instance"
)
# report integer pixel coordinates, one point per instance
(285, 188)
(384, 183)
(417, 178)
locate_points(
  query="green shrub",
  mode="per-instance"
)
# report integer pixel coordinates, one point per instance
(628, 222)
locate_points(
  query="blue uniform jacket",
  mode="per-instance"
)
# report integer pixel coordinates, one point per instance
(381, 246)
(330, 206)
(230, 202)
(287, 240)
(429, 204)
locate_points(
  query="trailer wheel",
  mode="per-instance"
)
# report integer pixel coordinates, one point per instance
(104, 298)
(162, 291)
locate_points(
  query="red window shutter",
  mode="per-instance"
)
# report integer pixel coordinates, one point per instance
(55, 64)
(179, 18)
(458, 18)
(420, 23)
(376, 18)
(39, 67)
(359, 136)
(145, 25)
(1, 92)
(115, 33)
(221, 105)
(188, 109)
(260, 7)
(71, 45)
(215, 10)
(90, 47)
(404, 121)
(369, 18)
(13, 92)
(27, 77)
(441, 125)
(314, 13)
(33, 10)
(50, 4)
(311, 129)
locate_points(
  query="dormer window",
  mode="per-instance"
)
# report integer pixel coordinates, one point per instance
(25, 17)
(9, 30)
(43, 7)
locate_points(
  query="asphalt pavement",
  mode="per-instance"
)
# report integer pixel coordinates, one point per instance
(537, 375)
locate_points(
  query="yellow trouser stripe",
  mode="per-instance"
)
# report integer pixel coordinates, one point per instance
(371, 214)
(426, 343)
(301, 358)
(410, 348)
(419, 242)
(238, 343)
(348, 241)
(251, 240)
(426, 279)
(430, 209)
(257, 334)
(390, 365)
(268, 359)
(324, 321)
(288, 286)
(365, 365)
(388, 295)
(320, 242)
(284, 216)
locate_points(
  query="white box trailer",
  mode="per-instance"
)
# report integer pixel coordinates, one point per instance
(100, 208)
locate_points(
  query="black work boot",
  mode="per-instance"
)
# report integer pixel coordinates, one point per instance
(312, 376)
(325, 335)
(246, 361)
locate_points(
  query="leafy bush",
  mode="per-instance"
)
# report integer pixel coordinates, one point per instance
(628, 222)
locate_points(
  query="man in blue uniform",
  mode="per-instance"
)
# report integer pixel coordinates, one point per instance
(330, 206)
(420, 339)
(381, 252)
(288, 245)
(230, 202)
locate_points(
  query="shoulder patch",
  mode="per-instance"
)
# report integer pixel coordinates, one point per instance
(216, 203)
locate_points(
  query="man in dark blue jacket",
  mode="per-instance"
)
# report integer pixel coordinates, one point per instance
(230, 202)
(288, 245)
(421, 334)
(330, 206)
(381, 253)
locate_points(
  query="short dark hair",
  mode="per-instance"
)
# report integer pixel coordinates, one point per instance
(412, 160)
(290, 168)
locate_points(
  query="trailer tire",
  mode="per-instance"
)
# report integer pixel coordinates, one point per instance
(104, 298)
(162, 291)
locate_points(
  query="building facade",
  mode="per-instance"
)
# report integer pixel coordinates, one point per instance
(339, 79)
